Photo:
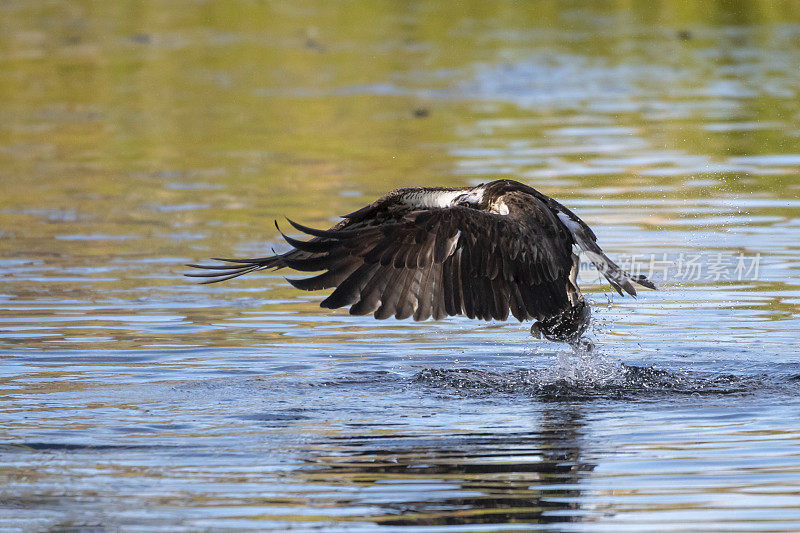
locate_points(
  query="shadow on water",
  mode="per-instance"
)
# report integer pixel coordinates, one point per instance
(459, 479)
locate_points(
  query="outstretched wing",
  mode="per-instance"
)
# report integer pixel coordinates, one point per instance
(430, 262)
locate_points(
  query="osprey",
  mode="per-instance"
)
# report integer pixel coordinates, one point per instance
(427, 252)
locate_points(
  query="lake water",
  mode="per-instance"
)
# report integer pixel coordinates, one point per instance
(139, 136)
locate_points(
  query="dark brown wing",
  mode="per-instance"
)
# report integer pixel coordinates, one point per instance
(434, 262)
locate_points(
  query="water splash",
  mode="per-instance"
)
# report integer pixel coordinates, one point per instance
(587, 372)
(583, 365)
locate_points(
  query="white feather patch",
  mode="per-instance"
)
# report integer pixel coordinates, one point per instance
(499, 207)
(442, 199)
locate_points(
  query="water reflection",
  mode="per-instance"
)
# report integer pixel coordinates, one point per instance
(463, 478)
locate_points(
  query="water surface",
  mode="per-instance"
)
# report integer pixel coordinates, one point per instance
(136, 137)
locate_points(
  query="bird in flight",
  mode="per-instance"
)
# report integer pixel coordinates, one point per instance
(424, 252)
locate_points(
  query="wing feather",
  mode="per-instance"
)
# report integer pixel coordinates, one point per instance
(391, 294)
(370, 299)
(425, 292)
(349, 291)
(439, 308)
(451, 281)
(326, 280)
(408, 301)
